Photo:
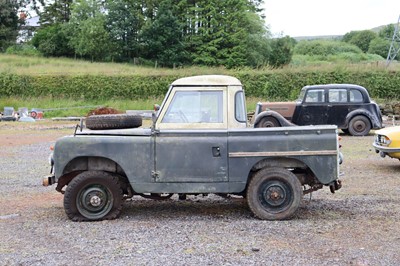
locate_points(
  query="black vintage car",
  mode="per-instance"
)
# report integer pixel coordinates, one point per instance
(346, 105)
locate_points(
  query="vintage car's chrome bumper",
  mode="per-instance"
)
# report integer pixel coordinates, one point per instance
(384, 149)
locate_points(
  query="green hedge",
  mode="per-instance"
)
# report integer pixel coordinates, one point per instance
(267, 85)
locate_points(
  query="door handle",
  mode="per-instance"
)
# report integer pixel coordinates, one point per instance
(216, 151)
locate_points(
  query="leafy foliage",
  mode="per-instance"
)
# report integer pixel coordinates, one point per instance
(361, 39)
(163, 41)
(52, 41)
(57, 12)
(325, 48)
(379, 46)
(265, 85)
(282, 51)
(227, 33)
(23, 49)
(8, 24)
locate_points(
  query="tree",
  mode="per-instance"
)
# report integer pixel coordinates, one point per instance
(52, 41)
(348, 36)
(258, 46)
(361, 39)
(87, 32)
(379, 46)
(281, 51)
(57, 12)
(162, 38)
(223, 33)
(91, 39)
(8, 24)
(124, 22)
(387, 32)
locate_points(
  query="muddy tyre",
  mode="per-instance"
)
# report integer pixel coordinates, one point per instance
(274, 194)
(113, 121)
(268, 122)
(93, 196)
(359, 126)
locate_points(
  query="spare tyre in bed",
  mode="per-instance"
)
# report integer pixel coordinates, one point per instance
(113, 121)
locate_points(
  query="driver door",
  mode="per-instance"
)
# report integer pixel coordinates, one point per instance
(191, 140)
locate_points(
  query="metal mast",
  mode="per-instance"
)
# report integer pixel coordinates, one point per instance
(395, 46)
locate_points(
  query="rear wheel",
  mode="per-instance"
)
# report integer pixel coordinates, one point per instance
(359, 126)
(268, 122)
(274, 194)
(93, 196)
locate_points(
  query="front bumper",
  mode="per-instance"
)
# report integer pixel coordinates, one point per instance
(48, 180)
(380, 148)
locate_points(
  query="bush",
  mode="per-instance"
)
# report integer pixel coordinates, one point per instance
(265, 85)
(23, 49)
(324, 48)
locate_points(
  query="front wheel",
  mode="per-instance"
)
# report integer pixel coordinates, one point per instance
(93, 196)
(274, 194)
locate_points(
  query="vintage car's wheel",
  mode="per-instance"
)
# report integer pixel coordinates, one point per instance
(274, 194)
(268, 122)
(113, 121)
(359, 126)
(93, 196)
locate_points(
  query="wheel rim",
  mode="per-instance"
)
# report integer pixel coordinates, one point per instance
(359, 126)
(269, 122)
(94, 201)
(275, 196)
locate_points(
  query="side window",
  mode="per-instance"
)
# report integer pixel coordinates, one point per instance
(337, 95)
(315, 96)
(240, 109)
(195, 107)
(356, 96)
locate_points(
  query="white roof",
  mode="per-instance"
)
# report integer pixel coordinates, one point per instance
(208, 80)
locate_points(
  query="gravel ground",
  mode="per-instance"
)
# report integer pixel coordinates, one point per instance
(358, 225)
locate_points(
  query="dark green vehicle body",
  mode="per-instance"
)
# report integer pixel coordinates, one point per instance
(200, 143)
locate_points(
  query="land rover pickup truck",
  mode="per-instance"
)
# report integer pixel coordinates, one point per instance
(346, 105)
(199, 143)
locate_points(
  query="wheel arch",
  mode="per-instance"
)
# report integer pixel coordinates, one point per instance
(282, 120)
(90, 163)
(372, 119)
(303, 172)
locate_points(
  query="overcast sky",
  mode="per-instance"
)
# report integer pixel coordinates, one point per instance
(334, 17)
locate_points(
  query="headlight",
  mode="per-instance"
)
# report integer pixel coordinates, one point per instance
(383, 140)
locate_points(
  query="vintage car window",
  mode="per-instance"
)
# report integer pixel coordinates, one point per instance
(195, 107)
(301, 95)
(240, 112)
(315, 96)
(337, 95)
(356, 96)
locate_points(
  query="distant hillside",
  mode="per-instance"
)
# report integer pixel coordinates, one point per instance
(333, 37)
(324, 37)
